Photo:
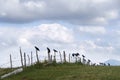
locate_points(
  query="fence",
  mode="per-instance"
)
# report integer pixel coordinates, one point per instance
(28, 60)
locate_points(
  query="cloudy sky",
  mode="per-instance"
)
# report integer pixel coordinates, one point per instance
(90, 27)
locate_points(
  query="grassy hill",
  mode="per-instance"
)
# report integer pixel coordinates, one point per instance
(5, 70)
(68, 72)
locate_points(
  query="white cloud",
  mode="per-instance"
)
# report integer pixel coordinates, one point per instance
(117, 32)
(44, 35)
(93, 29)
(59, 37)
(100, 1)
(113, 14)
(96, 16)
(99, 20)
(77, 11)
(48, 32)
(96, 52)
(3, 14)
(33, 6)
(58, 32)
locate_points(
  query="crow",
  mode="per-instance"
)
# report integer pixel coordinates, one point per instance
(73, 54)
(55, 50)
(48, 50)
(37, 48)
(83, 56)
(77, 54)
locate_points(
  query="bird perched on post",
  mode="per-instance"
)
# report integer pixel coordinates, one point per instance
(77, 54)
(88, 62)
(48, 50)
(55, 50)
(73, 54)
(83, 56)
(49, 58)
(37, 48)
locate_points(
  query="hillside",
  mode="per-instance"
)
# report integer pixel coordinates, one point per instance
(68, 72)
(113, 62)
(5, 70)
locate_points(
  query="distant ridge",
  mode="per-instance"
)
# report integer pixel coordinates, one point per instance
(113, 62)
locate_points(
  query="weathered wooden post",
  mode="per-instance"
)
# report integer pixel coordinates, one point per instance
(31, 58)
(83, 59)
(76, 59)
(28, 60)
(37, 49)
(88, 62)
(79, 60)
(21, 57)
(55, 51)
(48, 51)
(24, 59)
(60, 56)
(64, 56)
(10, 61)
(51, 58)
(69, 58)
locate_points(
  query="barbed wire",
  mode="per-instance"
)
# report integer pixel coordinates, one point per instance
(17, 62)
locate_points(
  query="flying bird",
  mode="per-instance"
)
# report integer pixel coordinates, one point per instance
(37, 48)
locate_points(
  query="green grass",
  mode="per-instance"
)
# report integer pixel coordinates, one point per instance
(68, 72)
(5, 70)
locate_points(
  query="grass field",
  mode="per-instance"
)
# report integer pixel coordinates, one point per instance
(68, 72)
(5, 70)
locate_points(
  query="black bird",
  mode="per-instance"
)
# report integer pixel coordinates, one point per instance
(37, 48)
(55, 50)
(48, 50)
(73, 54)
(83, 56)
(77, 54)
(89, 60)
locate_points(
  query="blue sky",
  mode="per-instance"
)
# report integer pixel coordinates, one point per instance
(90, 27)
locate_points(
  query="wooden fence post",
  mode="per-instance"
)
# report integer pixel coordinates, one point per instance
(55, 51)
(64, 56)
(31, 58)
(24, 59)
(51, 58)
(76, 59)
(69, 58)
(37, 49)
(10, 61)
(48, 51)
(48, 57)
(28, 60)
(60, 56)
(55, 56)
(21, 57)
(37, 55)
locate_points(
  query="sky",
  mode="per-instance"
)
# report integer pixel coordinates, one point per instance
(90, 27)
